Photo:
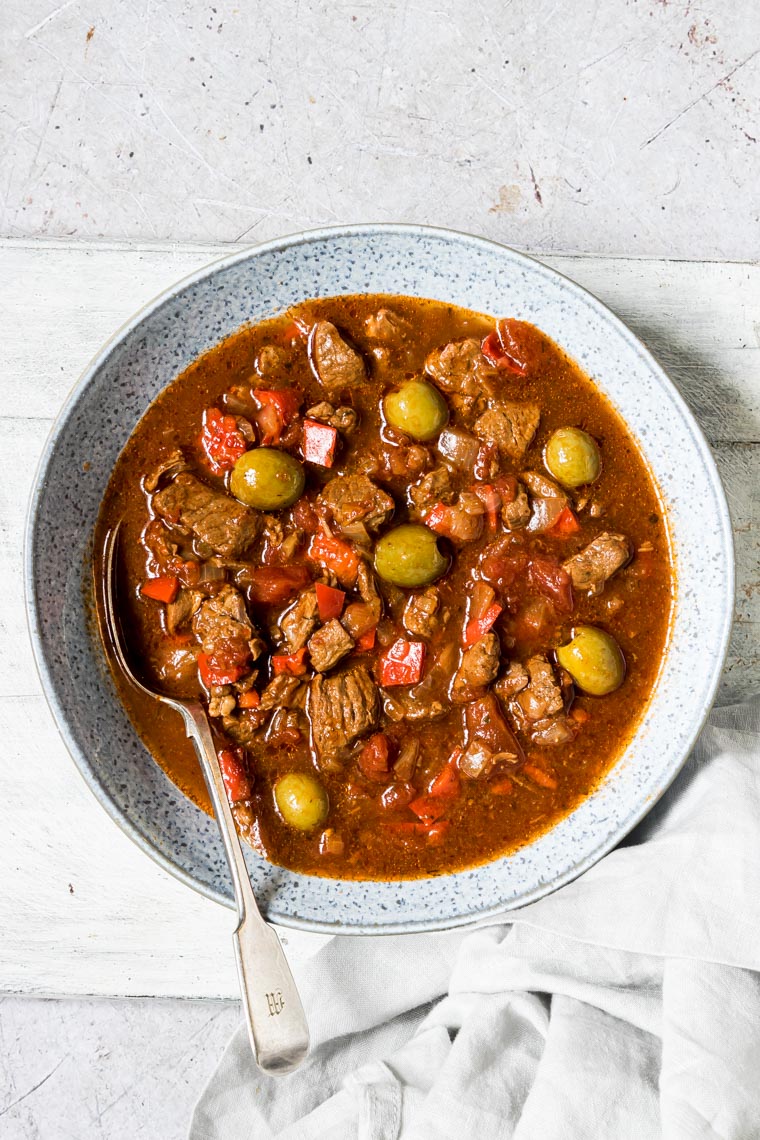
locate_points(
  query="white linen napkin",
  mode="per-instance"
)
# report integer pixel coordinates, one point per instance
(626, 1005)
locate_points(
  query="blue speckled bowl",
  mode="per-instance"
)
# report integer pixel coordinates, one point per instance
(157, 345)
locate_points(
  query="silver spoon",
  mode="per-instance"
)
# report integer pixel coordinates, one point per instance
(277, 1025)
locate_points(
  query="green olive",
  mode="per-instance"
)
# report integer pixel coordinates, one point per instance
(267, 479)
(594, 660)
(416, 408)
(572, 457)
(301, 800)
(408, 555)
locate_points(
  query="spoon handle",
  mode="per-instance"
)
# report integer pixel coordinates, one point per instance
(277, 1026)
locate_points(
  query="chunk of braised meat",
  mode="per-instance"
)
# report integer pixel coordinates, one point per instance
(329, 645)
(591, 567)
(169, 468)
(366, 584)
(336, 363)
(287, 726)
(461, 369)
(299, 622)
(270, 359)
(244, 728)
(461, 521)
(283, 692)
(548, 501)
(478, 667)
(515, 509)
(342, 708)
(344, 419)
(490, 740)
(542, 696)
(552, 730)
(422, 612)
(224, 618)
(510, 426)
(432, 488)
(181, 611)
(353, 499)
(217, 520)
(386, 325)
(514, 681)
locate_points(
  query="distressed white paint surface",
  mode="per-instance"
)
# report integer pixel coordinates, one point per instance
(628, 126)
(84, 911)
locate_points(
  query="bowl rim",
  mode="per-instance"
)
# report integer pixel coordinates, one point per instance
(33, 618)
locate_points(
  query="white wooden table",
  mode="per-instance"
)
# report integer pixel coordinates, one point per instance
(83, 910)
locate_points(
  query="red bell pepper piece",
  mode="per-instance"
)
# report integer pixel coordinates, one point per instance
(319, 443)
(428, 808)
(565, 525)
(501, 787)
(479, 627)
(293, 663)
(221, 440)
(236, 781)
(438, 518)
(539, 776)
(249, 700)
(163, 589)
(329, 601)
(335, 555)
(447, 783)
(367, 640)
(276, 410)
(491, 500)
(402, 663)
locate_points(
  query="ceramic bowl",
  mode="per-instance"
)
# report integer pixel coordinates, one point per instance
(154, 347)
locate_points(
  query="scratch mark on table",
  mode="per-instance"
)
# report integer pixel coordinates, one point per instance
(52, 16)
(699, 98)
(34, 1088)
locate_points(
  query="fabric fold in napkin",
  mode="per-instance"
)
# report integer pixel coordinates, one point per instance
(625, 1005)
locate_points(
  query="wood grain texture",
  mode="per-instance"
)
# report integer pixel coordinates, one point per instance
(70, 927)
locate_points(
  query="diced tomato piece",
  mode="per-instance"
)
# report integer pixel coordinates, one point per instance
(329, 601)
(478, 628)
(491, 348)
(319, 443)
(397, 796)
(447, 782)
(565, 525)
(367, 640)
(428, 808)
(335, 555)
(501, 787)
(491, 500)
(305, 517)
(236, 781)
(227, 664)
(221, 440)
(502, 571)
(402, 663)
(164, 589)
(277, 408)
(374, 758)
(272, 585)
(293, 663)
(579, 715)
(539, 776)
(249, 700)
(553, 581)
(502, 349)
(437, 833)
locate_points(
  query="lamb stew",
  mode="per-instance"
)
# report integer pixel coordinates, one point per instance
(415, 565)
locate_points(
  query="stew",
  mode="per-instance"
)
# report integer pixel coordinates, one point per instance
(415, 565)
